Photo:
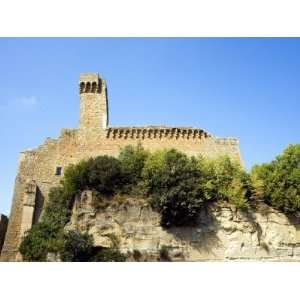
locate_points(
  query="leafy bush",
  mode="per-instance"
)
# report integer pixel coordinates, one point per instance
(278, 182)
(132, 161)
(164, 253)
(76, 247)
(47, 236)
(225, 180)
(75, 179)
(104, 174)
(137, 255)
(41, 239)
(108, 255)
(173, 181)
(58, 208)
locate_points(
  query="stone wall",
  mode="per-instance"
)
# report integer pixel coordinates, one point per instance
(94, 137)
(3, 228)
(223, 233)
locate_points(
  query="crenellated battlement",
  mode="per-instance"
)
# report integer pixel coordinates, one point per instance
(156, 132)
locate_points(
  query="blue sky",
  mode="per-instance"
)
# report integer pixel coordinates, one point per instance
(244, 88)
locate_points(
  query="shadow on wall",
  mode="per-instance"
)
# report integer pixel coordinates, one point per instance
(202, 237)
(39, 204)
(3, 229)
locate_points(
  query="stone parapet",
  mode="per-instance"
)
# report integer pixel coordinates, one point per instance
(156, 132)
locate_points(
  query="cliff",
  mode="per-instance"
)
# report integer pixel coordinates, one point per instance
(223, 233)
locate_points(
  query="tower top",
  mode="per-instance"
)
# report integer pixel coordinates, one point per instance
(89, 77)
(91, 83)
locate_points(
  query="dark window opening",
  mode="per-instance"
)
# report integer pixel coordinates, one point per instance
(58, 171)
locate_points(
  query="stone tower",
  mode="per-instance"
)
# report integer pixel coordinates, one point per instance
(93, 103)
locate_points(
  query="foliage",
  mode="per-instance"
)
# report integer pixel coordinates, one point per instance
(278, 182)
(47, 236)
(173, 181)
(58, 209)
(108, 255)
(225, 180)
(164, 253)
(75, 179)
(41, 239)
(76, 246)
(102, 174)
(137, 255)
(132, 161)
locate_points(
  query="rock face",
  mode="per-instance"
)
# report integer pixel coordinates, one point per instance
(223, 233)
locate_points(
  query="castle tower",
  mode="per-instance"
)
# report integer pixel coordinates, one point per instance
(93, 103)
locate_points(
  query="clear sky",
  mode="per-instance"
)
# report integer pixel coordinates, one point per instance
(244, 88)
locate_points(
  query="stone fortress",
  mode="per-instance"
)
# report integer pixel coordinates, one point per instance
(42, 168)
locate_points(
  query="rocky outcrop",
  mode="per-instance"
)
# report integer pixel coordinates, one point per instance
(223, 233)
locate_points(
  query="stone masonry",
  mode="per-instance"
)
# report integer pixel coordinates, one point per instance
(3, 228)
(42, 168)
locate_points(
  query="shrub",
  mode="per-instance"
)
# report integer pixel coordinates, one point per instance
(172, 180)
(47, 236)
(225, 180)
(137, 255)
(132, 161)
(75, 179)
(58, 208)
(41, 239)
(164, 253)
(104, 174)
(108, 255)
(76, 247)
(278, 182)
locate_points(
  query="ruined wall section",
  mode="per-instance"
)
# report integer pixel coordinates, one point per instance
(36, 167)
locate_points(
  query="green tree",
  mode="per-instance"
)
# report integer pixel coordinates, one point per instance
(225, 180)
(40, 240)
(58, 208)
(77, 247)
(278, 182)
(173, 181)
(104, 174)
(75, 179)
(132, 161)
(47, 236)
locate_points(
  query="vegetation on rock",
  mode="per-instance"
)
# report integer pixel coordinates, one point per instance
(177, 186)
(278, 182)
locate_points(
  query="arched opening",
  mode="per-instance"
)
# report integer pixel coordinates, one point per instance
(82, 87)
(94, 87)
(88, 87)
